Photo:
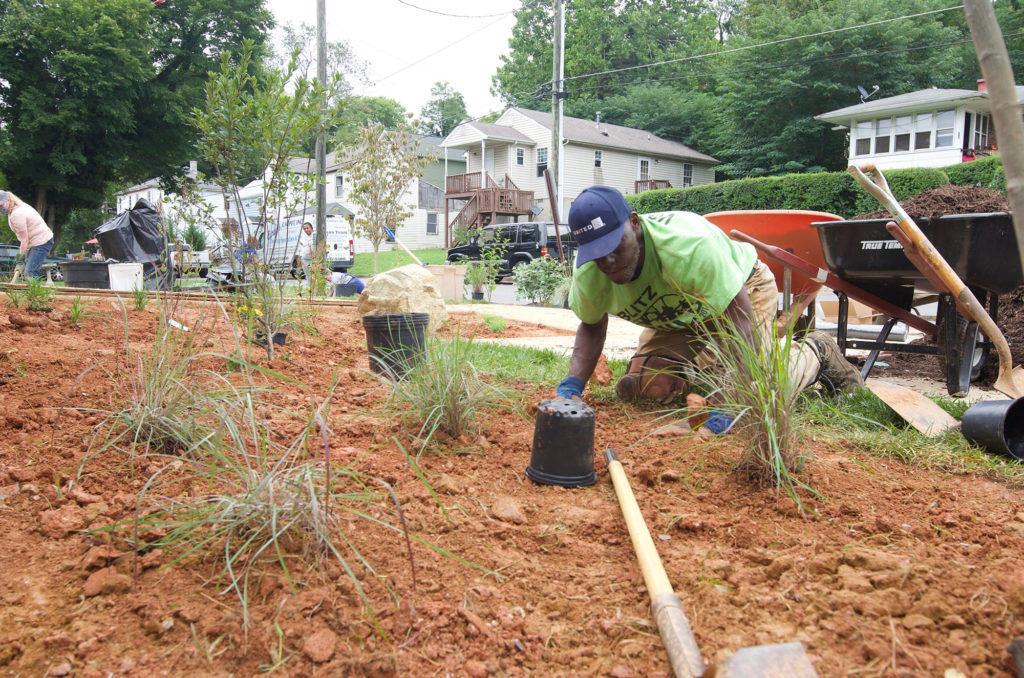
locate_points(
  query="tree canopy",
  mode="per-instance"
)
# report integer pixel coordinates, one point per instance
(742, 80)
(98, 91)
(443, 112)
(361, 111)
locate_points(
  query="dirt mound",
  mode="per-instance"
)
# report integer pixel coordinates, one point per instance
(893, 570)
(948, 200)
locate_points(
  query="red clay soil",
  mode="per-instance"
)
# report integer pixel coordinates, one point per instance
(894, 571)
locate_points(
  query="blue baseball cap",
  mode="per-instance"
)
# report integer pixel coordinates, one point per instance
(596, 219)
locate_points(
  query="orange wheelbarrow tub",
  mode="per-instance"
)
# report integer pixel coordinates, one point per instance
(789, 229)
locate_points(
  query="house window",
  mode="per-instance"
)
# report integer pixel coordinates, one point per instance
(923, 131)
(431, 223)
(944, 128)
(902, 141)
(644, 169)
(981, 131)
(597, 158)
(339, 185)
(687, 175)
(862, 143)
(883, 138)
(542, 161)
(520, 156)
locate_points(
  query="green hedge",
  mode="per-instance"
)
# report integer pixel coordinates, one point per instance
(834, 192)
(985, 172)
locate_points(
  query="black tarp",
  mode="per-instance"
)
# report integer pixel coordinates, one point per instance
(135, 237)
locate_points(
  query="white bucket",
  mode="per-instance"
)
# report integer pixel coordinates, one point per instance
(125, 277)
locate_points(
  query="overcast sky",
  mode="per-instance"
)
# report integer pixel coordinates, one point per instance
(408, 48)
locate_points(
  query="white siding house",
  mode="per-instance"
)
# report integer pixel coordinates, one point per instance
(510, 156)
(926, 128)
(424, 229)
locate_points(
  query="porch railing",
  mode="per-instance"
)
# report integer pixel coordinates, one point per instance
(467, 183)
(641, 185)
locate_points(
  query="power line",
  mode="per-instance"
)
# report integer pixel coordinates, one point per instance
(843, 57)
(456, 16)
(436, 52)
(763, 44)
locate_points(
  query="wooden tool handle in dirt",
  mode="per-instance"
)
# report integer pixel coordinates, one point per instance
(871, 178)
(674, 627)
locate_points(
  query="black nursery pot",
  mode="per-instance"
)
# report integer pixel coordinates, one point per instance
(996, 425)
(563, 444)
(395, 341)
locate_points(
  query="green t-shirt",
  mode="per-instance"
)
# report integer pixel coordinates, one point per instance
(691, 272)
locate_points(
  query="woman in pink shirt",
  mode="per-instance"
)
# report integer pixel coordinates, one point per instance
(35, 236)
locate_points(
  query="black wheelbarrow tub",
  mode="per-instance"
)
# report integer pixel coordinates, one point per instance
(980, 248)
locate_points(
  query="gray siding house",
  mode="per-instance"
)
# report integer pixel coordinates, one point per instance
(505, 162)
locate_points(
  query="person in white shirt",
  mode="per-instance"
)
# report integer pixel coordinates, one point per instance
(305, 250)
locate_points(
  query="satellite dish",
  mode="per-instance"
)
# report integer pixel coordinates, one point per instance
(535, 209)
(864, 94)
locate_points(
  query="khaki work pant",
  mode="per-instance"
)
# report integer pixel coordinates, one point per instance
(689, 347)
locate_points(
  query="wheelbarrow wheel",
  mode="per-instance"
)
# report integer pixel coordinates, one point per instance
(960, 357)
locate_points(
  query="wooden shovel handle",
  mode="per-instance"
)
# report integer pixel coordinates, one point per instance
(673, 626)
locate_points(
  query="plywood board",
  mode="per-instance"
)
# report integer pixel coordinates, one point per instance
(920, 412)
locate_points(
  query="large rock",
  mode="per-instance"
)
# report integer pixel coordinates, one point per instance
(407, 289)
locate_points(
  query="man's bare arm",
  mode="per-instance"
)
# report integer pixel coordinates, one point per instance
(585, 354)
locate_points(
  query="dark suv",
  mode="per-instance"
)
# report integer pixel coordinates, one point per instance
(520, 243)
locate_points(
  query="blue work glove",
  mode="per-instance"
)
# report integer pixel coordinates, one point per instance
(718, 422)
(570, 387)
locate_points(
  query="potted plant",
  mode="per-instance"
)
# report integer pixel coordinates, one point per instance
(478, 274)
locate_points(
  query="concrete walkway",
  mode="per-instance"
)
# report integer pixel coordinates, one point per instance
(620, 343)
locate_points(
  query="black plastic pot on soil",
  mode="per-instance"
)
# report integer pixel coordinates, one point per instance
(395, 342)
(563, 444)
(279, 338)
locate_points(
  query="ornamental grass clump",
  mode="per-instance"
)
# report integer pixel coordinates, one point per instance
(445, 391)
(752, 384)
(254, 503)
(166, 401)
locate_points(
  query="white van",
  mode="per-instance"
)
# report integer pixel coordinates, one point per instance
(280, 246)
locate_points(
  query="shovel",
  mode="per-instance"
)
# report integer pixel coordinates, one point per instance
(788, 660)
(926, 258)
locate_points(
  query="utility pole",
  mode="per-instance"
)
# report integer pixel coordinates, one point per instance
(321, 135)
(557, 98)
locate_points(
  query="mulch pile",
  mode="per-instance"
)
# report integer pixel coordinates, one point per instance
(959, 200)
(949, 199)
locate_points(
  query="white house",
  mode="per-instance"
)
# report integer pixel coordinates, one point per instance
(926, 128)
(424, 229)
(505, 163)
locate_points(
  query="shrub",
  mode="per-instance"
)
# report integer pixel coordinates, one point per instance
(984, 172)
(833, 192)
(539, 279)
(38, 296)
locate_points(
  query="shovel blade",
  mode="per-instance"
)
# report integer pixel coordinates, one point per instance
(920, 412)
(785, 660)
(1011, 383)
